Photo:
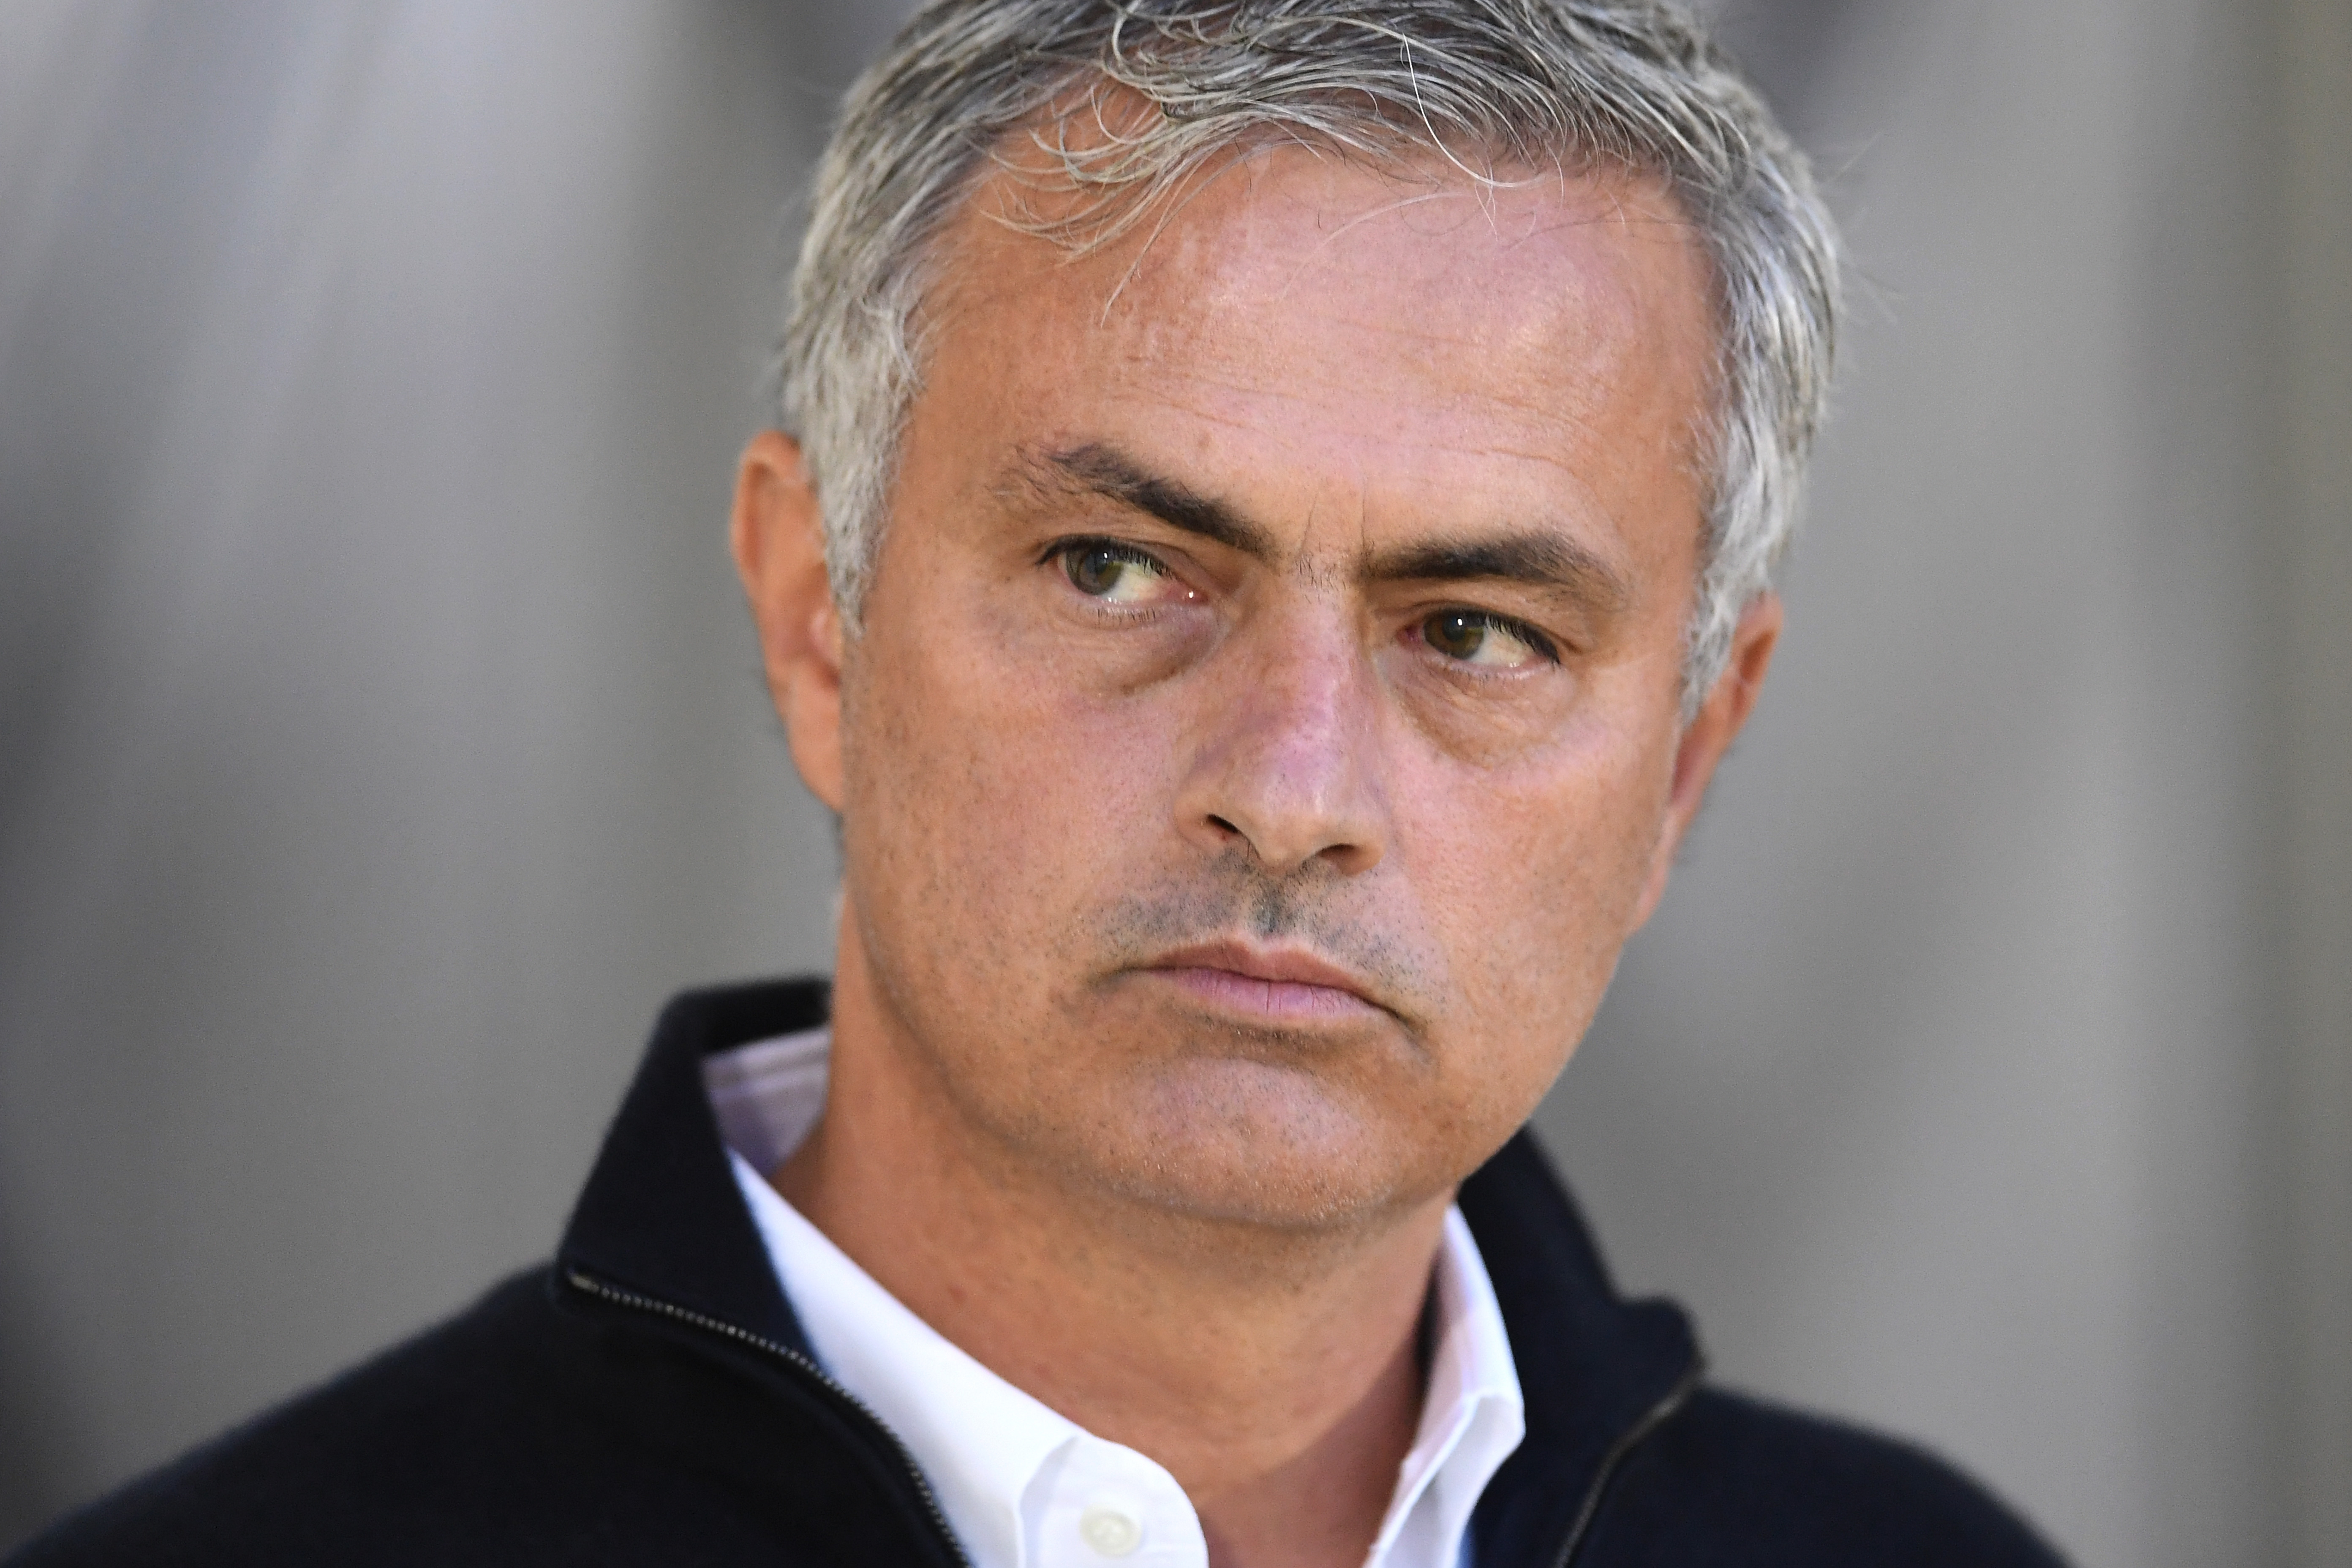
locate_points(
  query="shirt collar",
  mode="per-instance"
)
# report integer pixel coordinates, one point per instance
(1472, 1415)
(1007, 1467)
(979, 1440)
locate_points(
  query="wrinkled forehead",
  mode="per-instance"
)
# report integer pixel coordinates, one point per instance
(1366, 304)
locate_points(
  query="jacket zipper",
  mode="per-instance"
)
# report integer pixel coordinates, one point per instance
(1652, 1419)
(1657, 1416)
(590, 1285)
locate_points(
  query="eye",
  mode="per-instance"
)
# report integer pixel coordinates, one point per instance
(1115, 574)
(1488, 641)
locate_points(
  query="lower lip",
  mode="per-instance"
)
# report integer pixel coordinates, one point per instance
(1286, 999)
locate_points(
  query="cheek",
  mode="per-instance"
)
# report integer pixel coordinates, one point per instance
(990, 797)
(1532, 875)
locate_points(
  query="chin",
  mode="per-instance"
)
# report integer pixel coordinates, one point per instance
(1247, 1143)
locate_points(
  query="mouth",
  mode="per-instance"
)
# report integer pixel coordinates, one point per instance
(1278, 984)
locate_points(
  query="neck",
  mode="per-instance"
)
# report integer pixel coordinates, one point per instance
(1275, 1376)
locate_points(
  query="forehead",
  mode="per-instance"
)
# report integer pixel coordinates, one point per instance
(1396, 334)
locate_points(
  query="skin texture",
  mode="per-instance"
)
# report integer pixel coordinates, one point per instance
(1260, 739)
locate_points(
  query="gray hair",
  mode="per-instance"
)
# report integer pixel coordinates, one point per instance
(1633, 83)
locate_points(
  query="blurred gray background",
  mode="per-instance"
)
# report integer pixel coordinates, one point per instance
(381, 739)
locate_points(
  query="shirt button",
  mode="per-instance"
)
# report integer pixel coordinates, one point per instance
(1109, 1532)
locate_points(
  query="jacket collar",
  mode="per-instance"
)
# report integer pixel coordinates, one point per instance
(661, 1215)
(1597, 1370)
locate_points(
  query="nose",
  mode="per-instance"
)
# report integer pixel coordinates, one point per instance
(1286, 762)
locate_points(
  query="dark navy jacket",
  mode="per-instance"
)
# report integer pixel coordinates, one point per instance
(648, 1398)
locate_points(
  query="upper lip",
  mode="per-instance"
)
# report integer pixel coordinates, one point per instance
(1287, 964)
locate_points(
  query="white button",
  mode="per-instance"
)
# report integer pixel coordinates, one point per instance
(1109, 1532)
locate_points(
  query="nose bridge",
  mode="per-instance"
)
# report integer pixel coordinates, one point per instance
(1288, 754)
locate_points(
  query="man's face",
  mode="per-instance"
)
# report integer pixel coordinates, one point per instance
(1263, 733)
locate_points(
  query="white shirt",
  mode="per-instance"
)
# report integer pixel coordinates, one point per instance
(1024, 1487)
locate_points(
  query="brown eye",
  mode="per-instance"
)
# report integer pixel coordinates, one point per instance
(1474, 636)
(1454, 634)
(1117, 573)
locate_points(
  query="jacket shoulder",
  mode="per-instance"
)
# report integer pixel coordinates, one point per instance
(522, 1431)
(403, 1424)
(1734, 1480)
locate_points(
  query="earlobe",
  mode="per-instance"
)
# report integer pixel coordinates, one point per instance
(777, 536)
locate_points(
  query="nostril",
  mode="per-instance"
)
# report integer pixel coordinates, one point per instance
(1222, 825)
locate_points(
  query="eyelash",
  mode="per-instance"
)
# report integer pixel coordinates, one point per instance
(1542, 646)
(1062, 548)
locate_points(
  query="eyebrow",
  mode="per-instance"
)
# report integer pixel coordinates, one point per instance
(1533, 558)
(1112, 474)
(1537, 559)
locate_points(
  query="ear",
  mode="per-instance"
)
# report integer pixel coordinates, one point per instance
(1709, 735)
(777, 533)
